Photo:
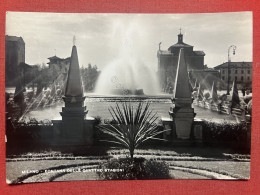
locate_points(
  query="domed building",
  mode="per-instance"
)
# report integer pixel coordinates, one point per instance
(168, 60)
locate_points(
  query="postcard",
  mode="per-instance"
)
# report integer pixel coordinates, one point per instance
(128, 96)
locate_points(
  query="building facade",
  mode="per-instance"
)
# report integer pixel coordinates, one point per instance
(205, 78)
(239, 71)
(58, 68)
(168, 60)
(14, 56)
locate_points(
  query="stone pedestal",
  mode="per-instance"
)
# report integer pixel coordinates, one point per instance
(74, 129)
(168, 124)
(183, 126)
(182, 115)
(197, 130)
(70, 136)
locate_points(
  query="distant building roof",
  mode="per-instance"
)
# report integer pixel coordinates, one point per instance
(199, 53)
(164, 52)
(13, 38)
(205, 70)
(180, 45)
(234, 65)
(24, 65)
(54, 58)
(173, 50)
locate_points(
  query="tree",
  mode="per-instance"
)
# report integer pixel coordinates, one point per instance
(89, 66)
(89, 76)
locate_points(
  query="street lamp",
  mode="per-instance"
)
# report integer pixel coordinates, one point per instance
(234, 52)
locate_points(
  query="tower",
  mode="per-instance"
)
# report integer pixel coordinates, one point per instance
(180, 38)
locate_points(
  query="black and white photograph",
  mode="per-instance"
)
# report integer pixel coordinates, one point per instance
(105, 96)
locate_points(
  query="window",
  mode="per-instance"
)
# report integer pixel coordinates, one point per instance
(223, 71)
(248, 78)
(242, 71)
(235, 71)
(229, 71)
(235, 78)
(242, 78)
(223, 78)
(248, 71)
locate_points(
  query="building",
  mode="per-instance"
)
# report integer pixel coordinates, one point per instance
(239, 71)
(168, 59)
(58, 68)
(205, 78)
(28, 74)
(14, 55)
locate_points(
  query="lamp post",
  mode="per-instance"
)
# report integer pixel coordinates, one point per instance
(234, 52)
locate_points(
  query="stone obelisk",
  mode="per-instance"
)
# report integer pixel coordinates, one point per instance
(199, 93)
(213, 93)
(234, 95)
(181, 111)
(195, 85)
(74, 112)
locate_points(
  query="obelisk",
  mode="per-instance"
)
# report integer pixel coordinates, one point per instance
(195, 85)
(181, 111)
(199, 93)
(213, 93)
(234, 96)
(74, 112)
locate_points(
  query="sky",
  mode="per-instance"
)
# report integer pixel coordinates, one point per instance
(104, 38)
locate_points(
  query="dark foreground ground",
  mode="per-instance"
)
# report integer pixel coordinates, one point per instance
(184, 163)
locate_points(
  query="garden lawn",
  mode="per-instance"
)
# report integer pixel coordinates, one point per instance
(236, 169)
(14, 169)
(232, 168)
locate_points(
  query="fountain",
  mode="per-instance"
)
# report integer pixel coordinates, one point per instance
(124, 77)
(128, 74)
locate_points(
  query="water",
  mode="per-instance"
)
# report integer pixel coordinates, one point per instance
(128, 71)
(127, 75)
(98, 106)
(10, 90)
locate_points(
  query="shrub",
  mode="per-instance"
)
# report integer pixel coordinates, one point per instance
(227, 132)
(132, 127)
(136, 168)
(249, 107)
(112, 121)
(98, 120)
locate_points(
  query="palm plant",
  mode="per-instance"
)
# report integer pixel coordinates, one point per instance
(133, 126)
